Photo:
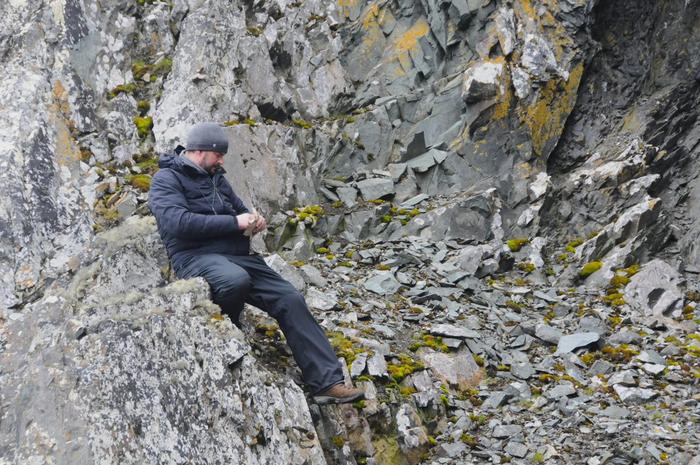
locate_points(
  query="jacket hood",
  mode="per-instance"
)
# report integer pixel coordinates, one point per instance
(174, 160)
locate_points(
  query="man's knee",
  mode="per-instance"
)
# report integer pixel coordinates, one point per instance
(292, 303)
(233, 285)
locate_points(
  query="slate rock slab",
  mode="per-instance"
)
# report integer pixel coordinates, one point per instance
(457, 369)
(574, 341)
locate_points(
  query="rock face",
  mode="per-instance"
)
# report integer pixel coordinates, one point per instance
(114, 368)
(490, 206)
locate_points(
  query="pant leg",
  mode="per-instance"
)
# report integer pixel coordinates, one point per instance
(312, 351)
(229, 282)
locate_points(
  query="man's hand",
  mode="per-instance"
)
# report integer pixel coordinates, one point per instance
(251, 223)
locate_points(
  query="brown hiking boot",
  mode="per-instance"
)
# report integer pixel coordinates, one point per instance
(339, 394)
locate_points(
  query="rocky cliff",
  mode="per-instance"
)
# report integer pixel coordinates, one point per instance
(489, 205)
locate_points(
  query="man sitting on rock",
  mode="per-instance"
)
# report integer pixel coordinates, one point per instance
(206, 229)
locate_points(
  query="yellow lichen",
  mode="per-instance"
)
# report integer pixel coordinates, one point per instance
(546, 117)
(409, 39)
(589, 268)
(516, 244)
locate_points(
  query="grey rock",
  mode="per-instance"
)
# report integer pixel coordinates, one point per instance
(538, 58)
(286, 270)
(383, 283)
(548, 334)
(522, 370)
(413, 201)
(481, 81)
(456, 369)
(654, 289)
(653, 369)
(454, 331)
(376, 365)
(516, 449)
(321, 300)
(624, 337)
(451, 450)
(506, 431)
(600, 367)
(397, 170)
(411, 432)
(313, 276)
(75, 329)
(348, 195)
(358, 365)
(651, 356)
(631, 395)
(497, 399)
(561, 390)
(422, 163)
(376, 188)
(616, 412)
(626, 377)
(574, 341)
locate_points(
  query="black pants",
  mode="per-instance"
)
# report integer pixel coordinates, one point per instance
(239, 279)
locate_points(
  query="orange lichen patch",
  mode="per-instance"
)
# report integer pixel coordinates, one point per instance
(409, 39)
(527, 8)
(370, 17)
(546, 117)
(67, 151)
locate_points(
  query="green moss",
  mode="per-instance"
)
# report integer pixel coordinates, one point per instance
(360, 404)
(403, 367)
(338, 441)
(254, 31)
(163, 66)
(143, 106)
(571, 246)
(615, 299)
(469, 440)
(344, 346)
(302, 123)
(386, 219)
(143, 124)
(140, 181)
(622, 353)
(516, 244)
(589, 268)
(407, 391)
(427, 340)
(527, 267)
(478, 419)
(337, 204)
(308, 214)
(382, 267)
(513, 305)
(322, 250)
(231, 122)
(250, 122)
(122, 89)
(538, 457)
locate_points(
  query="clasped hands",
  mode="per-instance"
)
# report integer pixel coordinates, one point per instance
(251, 223)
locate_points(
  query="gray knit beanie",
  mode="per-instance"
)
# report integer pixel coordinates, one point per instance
(208, 137)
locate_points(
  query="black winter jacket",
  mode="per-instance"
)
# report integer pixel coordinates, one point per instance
(196, 212)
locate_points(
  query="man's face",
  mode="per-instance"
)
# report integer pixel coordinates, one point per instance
(210, 161)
